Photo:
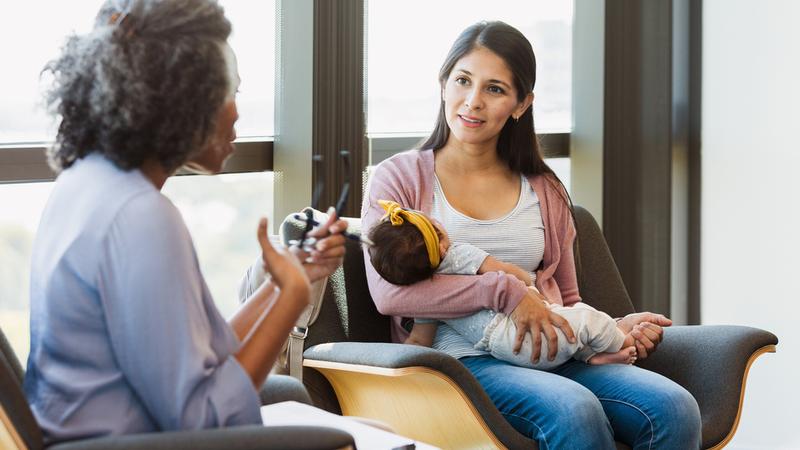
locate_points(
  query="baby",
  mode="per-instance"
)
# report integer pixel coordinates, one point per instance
(409, 247)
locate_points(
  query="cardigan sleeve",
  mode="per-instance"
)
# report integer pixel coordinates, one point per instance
(443, 296)
(565, 274)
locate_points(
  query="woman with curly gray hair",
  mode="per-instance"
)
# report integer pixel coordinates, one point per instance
(125, 336)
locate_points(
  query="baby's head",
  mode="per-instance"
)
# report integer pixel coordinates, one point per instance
(403, 254)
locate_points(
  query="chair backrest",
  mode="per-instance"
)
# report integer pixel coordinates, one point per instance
(599, 281)
(349, 314)
(17, 419)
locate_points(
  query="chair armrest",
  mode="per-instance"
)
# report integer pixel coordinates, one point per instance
(711, 362)
(397, 356)
(282, 388)
(251, 437)
(437, 382)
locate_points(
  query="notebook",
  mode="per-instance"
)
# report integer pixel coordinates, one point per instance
(366, 437)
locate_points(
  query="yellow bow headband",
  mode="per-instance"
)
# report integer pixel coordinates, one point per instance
(397, 215)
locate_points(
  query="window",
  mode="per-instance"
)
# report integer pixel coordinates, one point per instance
(221, 212)
(223, 223)
(22, 116)
(405, 49)
(407, 42)
(22, 206)
(253, 40)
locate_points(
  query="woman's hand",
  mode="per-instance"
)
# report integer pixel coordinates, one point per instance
(534, 317)
(286, 271)
(328, 251)
(262, 324)
(646, 329)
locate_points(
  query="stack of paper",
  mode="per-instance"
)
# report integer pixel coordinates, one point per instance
(366, 437)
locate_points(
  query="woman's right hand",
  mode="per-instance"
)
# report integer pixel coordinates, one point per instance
(286, 270)
(533, 316)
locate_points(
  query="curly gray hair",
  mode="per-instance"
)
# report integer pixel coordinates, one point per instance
(146, 82)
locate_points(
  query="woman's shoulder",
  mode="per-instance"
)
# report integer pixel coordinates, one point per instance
(546, 182)
(410, 164)
(408, 158)
(152, 225)
(406, 177)
(549, 187)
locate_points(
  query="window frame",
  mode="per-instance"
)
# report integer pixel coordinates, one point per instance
(20, 163)
(28, 163)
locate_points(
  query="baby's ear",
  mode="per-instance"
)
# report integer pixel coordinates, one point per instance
(442, 250)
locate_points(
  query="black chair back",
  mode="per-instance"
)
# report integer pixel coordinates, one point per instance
(348, 313)
(599, 281)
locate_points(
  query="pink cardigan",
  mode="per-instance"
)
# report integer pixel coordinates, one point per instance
(408, 179)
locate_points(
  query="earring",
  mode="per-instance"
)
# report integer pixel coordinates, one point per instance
(516, 118)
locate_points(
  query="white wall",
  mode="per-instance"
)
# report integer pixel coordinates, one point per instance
(751, 199)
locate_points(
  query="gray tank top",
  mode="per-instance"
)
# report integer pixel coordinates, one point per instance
(517, 238)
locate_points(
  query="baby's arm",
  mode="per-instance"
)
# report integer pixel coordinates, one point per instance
(492, 264)
(463, 258)
(422, 333)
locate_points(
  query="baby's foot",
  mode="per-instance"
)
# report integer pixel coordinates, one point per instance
(625, 356)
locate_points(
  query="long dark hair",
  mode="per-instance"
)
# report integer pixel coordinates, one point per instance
(517, 145)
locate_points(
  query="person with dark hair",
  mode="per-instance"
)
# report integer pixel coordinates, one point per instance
(481, 175)
(404, 241)
(409, 247)
(125, 337)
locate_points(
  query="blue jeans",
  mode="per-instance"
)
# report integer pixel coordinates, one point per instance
(579, 406)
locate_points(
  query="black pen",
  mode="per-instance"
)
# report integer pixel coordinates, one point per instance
(347, 234)
(410, 446)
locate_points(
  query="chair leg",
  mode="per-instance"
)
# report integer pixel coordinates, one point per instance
(9, 438)
(732, 432)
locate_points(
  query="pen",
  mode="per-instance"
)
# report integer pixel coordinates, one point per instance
(347, 234)
(410, 446)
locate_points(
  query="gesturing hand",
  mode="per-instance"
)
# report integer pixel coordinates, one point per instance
(534, 317)
(328, 251)
(646, 329)
(286, 271)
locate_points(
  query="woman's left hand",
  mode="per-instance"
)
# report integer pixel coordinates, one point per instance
(328, 251)
(646, 329)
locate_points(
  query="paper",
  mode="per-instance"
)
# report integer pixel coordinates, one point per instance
(366, 437)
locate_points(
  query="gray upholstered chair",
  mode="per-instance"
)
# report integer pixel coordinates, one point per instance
(351, 368)
(19, 430)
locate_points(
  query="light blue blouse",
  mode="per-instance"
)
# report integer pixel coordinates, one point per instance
(125, 337)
